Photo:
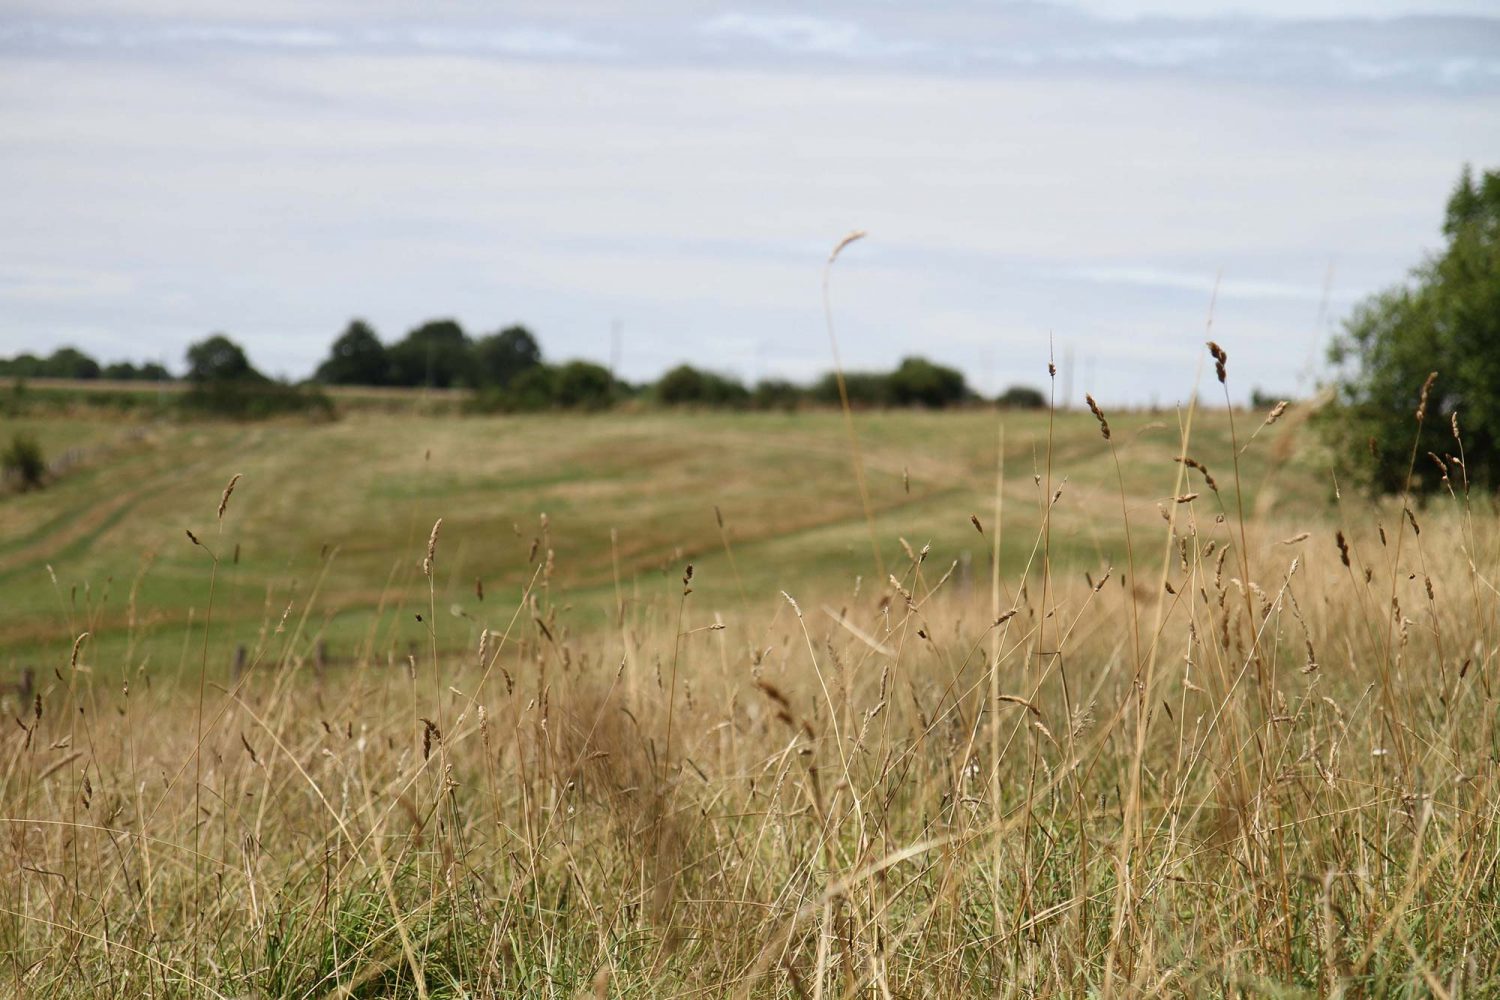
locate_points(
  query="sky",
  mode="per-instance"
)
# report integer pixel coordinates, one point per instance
(657, 182)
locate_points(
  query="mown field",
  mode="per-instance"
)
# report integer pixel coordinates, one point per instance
(665, 708)
(332, 520)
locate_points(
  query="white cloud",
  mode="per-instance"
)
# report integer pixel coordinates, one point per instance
(806, 35)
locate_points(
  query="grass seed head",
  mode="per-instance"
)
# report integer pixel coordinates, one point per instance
(431, 548)
(224, 500)
(1098, 415)
(1422, 403)
(1221, 358)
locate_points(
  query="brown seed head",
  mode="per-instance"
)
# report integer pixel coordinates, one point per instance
(1422, 403)
(431, 548)
(224, 500)
(857, 234)
(1221, 358)
(1098, 415)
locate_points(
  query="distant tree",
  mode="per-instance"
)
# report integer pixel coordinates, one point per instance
(533, 389)
(23, 366)
(357, 357)
(919, 382)
(866, 389)
(69, 362)
(125, 371)
(225, 384)
(777, 394)
(577, 385)
(1262, 400)
(437, 354)
(1022, 397)
(500, 357)
(583, 385)
(219, 359)
(1446, 319)
(689, 386)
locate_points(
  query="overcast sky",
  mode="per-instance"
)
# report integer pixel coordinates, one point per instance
(679, 171)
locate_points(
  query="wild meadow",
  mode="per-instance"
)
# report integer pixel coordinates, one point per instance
(1063, 703)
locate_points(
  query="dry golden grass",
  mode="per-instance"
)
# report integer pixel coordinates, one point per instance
(1253, 755)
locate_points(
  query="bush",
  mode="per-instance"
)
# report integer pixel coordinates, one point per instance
(689, 386)
(577, 385)
(777, 394)
(866, 389)
(24, 462)
(583, 385)
(1022, 397)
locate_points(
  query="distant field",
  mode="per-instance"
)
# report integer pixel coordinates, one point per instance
(332, 520)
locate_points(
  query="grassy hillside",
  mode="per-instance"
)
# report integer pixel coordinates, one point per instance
(1180, 742)
(343, 510)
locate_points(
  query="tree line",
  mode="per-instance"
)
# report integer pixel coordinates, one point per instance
(507, 372)
(69, 362)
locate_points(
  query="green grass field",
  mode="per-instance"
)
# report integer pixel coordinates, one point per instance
(1182, 738)
(332, 520)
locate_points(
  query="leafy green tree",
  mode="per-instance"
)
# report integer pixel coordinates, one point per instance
(583, 385)
(1022, 397)
(866, 389)
(126, 371)
(225, 384)
(529, 391)
(23, 366)
(777, 394)
(70, 362)
(219, 359)
(437, 354)
(357, 357)
(500, 357)
(689, 386)
(919, 382)
(1445, 319)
